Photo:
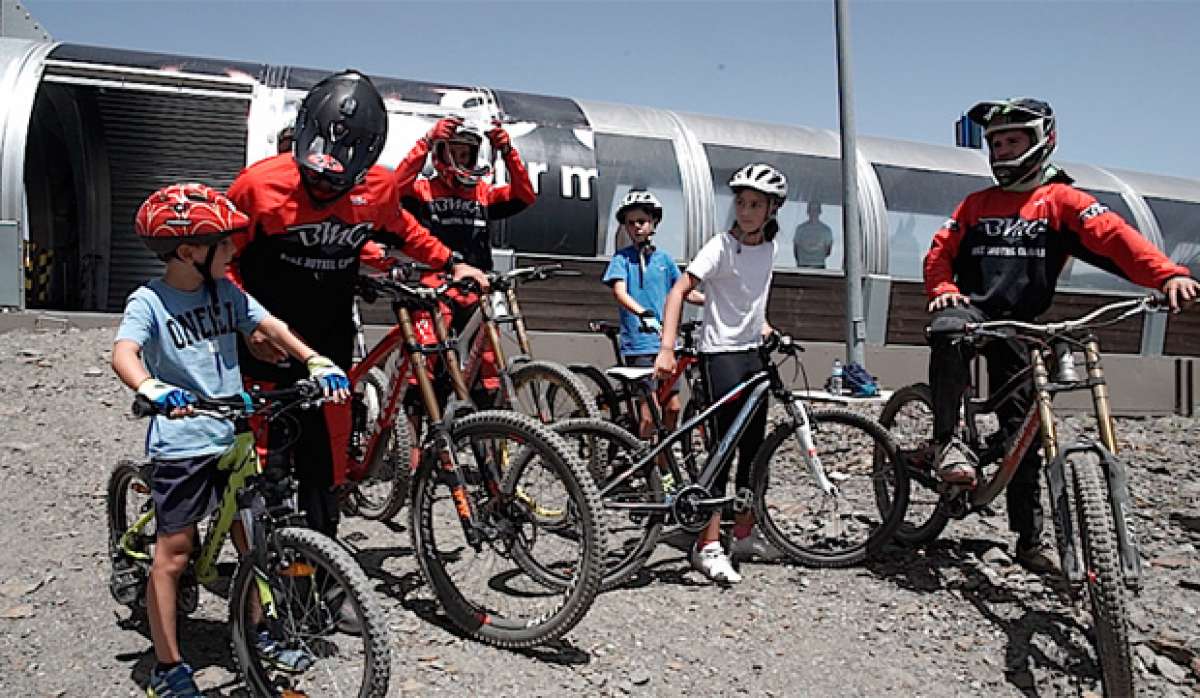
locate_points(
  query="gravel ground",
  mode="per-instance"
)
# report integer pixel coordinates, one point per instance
(956, 619)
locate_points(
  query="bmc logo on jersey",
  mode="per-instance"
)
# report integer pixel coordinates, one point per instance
(454, 205)
(333, 233)
(1013, 227)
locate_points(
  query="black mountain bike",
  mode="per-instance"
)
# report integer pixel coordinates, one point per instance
(812, 482)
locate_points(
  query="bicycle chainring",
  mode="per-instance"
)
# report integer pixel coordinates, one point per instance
(686, 509)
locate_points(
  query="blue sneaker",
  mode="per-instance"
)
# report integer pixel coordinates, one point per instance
(176, 683)
(295, 661)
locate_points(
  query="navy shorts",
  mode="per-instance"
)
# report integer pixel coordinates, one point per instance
(647, 361)
(185, 491)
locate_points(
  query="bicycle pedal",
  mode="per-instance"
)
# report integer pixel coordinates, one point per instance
(127, 582)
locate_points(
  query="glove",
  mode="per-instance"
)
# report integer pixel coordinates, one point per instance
(165, 396)
(443, 130)
(500, 140)
(327, 374)
(650, 321)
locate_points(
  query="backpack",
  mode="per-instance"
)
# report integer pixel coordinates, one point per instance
(858, 382)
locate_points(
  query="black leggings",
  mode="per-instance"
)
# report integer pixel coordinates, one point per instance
(722, 372)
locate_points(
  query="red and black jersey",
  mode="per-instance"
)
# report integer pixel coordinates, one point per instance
(459, 215)
(1005, 249)
(300, 258)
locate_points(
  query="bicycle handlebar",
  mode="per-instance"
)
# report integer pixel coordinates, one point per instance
(1130, 307)
(240, 405)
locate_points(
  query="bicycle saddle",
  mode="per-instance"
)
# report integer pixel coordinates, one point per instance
(630, 373)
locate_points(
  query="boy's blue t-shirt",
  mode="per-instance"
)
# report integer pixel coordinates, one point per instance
(189, 343)
(649, 290)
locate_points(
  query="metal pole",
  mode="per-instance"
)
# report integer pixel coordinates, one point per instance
(851, 231)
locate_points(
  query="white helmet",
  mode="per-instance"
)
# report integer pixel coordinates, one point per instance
(640, 198)
(760, 177)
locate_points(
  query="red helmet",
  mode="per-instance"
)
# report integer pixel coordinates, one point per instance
(186, 213)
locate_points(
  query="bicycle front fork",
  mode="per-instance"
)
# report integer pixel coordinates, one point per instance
(808, 448)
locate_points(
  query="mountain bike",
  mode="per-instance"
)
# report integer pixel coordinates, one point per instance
(381, 441)
(489, 488)
(1089, 485)
(543, 389)
(291, 582)
(621, 403)
(811, 489)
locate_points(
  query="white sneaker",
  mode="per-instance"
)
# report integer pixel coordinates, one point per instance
(712, 563)
(753, 546)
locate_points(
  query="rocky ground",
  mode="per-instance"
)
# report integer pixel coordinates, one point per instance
(956, 619)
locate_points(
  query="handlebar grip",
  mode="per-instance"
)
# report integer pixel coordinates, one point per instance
(144, 407)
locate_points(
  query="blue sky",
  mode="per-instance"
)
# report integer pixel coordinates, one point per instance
(1120, 75)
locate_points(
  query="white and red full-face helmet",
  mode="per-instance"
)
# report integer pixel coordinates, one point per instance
(186, 213)
(474, 167)
(1033, 116)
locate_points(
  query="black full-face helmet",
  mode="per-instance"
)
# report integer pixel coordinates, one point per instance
(1033, 116)
(340, 130)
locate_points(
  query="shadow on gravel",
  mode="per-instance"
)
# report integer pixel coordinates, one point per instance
(204, 643)
(954, 565)
(400, 589)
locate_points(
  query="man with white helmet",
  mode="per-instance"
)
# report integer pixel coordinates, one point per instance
(640, 276)
(736, 269)
(998, 257)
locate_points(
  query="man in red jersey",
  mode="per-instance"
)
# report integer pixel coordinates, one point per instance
(313, 212)
(999, 257)
(457, 203)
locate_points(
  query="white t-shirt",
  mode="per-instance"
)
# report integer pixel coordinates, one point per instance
(736, 285)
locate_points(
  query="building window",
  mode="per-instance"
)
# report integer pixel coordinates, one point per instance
(631, 162)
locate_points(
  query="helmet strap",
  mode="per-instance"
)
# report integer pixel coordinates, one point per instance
(205, 270)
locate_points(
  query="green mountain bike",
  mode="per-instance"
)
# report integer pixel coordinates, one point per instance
(291, 582)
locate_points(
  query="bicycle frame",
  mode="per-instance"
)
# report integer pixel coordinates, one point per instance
(241, 460)
(1040, 420)
(760, 385)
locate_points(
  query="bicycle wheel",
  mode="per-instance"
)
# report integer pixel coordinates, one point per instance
(549, 392)
(307, 574)
(908, 417)
(631, 536)
(127, 499)
(484, 580)
(608, 404)
(810, 526)
(1102, 569)
(383, 492)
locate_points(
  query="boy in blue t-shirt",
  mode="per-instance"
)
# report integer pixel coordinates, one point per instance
(177, 340)
(640, 277)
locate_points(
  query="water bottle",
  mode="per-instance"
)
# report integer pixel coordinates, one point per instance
(835, 378)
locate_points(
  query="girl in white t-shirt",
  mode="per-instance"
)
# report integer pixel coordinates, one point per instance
(735, 268)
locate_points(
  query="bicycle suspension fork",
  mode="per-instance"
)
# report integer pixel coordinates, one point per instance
(452, 475)
(808, 448)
